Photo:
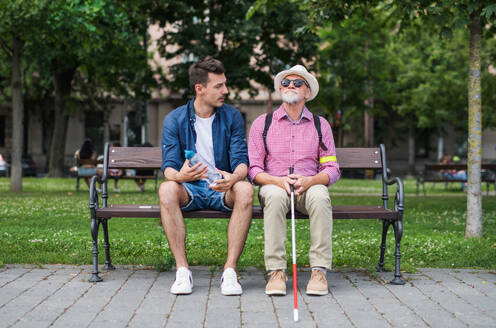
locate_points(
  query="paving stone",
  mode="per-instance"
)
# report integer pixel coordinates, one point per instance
(483, 282)
(430, 311)
(355, 305)
(465, 291)
(452, 303)
(393, 311)
(149, 320)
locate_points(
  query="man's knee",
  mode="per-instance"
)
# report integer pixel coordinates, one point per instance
(169, 192)
(274, 194)
(243, 192)
(318, 194)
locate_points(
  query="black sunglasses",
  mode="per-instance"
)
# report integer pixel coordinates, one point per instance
(296, 82)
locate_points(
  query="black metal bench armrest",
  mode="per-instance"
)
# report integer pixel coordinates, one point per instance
(386, 181)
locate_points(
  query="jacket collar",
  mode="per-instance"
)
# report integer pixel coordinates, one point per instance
(191, 110)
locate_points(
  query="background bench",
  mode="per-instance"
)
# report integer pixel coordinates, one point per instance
(433, 173)
(80, 162)
(151, 157)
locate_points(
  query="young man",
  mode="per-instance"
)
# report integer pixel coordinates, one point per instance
(214, 130)
(292, 140)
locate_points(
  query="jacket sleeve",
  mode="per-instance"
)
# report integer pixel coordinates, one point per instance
(238, 151)
(171, 149)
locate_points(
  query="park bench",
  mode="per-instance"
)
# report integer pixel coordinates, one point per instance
(80, 162)
(433, 173)
(151, 157)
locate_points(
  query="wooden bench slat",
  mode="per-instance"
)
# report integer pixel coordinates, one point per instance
(359, 158)
(151, 157)
(135, 157)
(153, 211)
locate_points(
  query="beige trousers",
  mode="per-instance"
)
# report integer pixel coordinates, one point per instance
(315, 202)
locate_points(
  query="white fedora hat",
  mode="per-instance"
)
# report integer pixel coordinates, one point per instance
(300, 71)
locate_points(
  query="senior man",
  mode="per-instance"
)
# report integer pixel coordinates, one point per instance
(294, 137)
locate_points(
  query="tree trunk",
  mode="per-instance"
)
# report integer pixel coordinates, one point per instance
(474, 199)
(411, 150)
(17, 118)
(440, 147)
(62, 84)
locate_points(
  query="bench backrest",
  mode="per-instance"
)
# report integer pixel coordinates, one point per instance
(151, 157)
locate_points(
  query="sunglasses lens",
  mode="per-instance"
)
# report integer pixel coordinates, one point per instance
(298, 83)
(285, 83)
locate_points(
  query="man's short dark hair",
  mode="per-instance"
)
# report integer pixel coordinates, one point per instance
(198, 72)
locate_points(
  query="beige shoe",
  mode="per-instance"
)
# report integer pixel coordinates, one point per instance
(317, 284)
(277, 283)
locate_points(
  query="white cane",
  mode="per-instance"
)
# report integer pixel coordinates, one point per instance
(293, 242)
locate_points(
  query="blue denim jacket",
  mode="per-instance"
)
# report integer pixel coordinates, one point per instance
(228, 133)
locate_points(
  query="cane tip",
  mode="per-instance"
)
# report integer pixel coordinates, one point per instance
(295, 315)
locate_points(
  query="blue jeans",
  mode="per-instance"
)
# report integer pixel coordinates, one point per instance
(202, 197)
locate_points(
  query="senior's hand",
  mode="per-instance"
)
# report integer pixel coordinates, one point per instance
(224, 184)
(195, 172)
(301, 184)
(286, 182)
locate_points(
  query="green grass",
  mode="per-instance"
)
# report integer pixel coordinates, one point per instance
(49, 223)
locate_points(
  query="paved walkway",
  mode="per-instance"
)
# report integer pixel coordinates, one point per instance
(60, 296)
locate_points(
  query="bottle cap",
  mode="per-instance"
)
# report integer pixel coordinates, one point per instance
(189, 154)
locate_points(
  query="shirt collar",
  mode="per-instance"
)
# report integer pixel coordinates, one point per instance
(280, 113)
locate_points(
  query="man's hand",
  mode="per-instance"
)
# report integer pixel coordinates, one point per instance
(301, 183)
(192, 173)
(286, 182)
(226, 183)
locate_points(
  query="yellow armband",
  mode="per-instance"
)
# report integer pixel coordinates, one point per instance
(326, 159)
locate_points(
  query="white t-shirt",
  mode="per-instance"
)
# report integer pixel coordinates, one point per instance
(204, 140)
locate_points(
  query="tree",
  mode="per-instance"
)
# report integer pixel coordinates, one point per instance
(102, 40)
(472, 15)
(18, 21)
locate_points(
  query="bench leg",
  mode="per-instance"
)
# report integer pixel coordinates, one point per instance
(385, 227)
(398, 233)
(95, 225)
(106, 245)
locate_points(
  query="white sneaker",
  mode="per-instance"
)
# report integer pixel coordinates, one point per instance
(183, 284)
(229, 283)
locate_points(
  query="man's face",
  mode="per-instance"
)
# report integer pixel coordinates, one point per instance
(292, 94)
(215, 91)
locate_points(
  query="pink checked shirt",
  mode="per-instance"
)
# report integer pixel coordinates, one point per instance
(292, 144)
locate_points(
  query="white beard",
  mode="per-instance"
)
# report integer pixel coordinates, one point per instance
(291, 97)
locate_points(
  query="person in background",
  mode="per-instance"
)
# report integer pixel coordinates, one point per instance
(447, 174)
(85, 158)
(460, 175)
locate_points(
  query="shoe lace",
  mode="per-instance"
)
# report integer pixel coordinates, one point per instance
(230, 279)
(319, 275)
(277, 275)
